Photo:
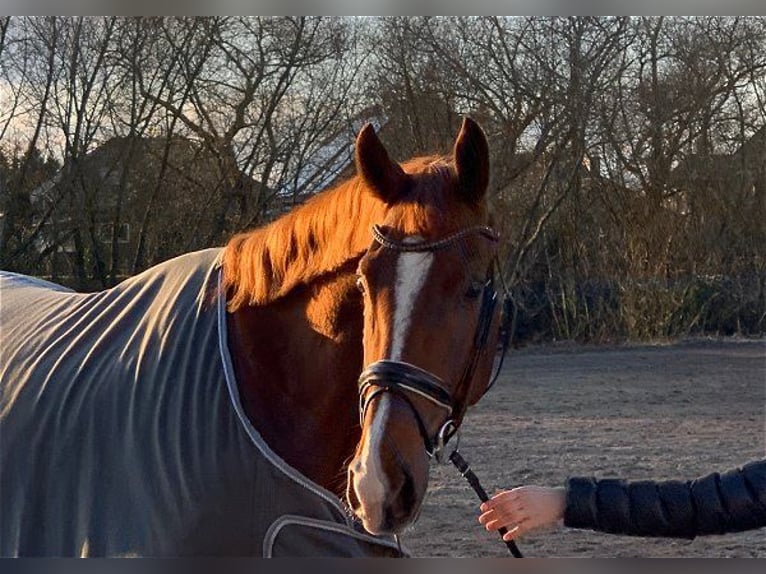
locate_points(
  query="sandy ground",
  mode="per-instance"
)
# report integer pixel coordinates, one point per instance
(660, 411)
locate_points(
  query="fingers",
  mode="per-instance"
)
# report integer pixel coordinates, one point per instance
(506, 509)
(504, 522)
(513, 533)
(523, 509)
(514, 527)
(502, 500)
(502, 497)
(516, 524)
(494, 519)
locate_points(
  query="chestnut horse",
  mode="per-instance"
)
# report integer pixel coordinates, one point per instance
(385, 276)
(325, 357)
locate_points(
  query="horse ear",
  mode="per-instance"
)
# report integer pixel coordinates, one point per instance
(471, 155)
(384, 177)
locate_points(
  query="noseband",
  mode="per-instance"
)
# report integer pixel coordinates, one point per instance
(405, 379)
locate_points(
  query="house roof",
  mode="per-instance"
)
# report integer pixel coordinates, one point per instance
(332, 157)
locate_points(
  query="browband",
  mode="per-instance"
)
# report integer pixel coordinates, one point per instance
(483, 230)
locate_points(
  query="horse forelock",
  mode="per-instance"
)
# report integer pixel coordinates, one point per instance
(432, 207)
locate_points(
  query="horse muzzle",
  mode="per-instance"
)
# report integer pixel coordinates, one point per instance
(396, 509)
(388, 477)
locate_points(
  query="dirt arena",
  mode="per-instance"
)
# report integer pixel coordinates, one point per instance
(659, 411)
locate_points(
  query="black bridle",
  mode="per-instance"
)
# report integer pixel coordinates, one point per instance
(404, 378)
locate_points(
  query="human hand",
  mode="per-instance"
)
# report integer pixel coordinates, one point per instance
(523, 509)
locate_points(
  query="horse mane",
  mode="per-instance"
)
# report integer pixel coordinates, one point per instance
(322, 235)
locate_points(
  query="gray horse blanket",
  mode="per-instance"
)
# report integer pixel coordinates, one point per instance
(122, 432)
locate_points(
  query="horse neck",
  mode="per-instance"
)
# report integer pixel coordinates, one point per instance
(297, 356)
(297, 362)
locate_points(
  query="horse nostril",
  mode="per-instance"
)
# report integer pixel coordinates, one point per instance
(397, 515)
(351, 500)
(407, 493)
(402, 508)
(354, 474)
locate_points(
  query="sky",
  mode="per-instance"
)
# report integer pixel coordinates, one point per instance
(388, 7)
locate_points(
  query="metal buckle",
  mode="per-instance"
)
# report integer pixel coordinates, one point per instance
(447, 442)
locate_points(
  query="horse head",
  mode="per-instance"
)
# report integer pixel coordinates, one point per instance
(430, 320)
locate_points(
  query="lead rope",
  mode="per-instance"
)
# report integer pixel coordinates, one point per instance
(456, 458)
(473, 480)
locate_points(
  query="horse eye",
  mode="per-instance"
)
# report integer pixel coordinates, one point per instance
(474, 289)
(360, 283)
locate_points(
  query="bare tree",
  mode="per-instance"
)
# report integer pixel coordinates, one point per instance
(242, 81)
(28, 66)
(628, 152)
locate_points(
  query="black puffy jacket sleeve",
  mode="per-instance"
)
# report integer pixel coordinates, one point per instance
(713, 504)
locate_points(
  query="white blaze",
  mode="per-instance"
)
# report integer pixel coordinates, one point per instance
(411, 273)
(370, 481)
